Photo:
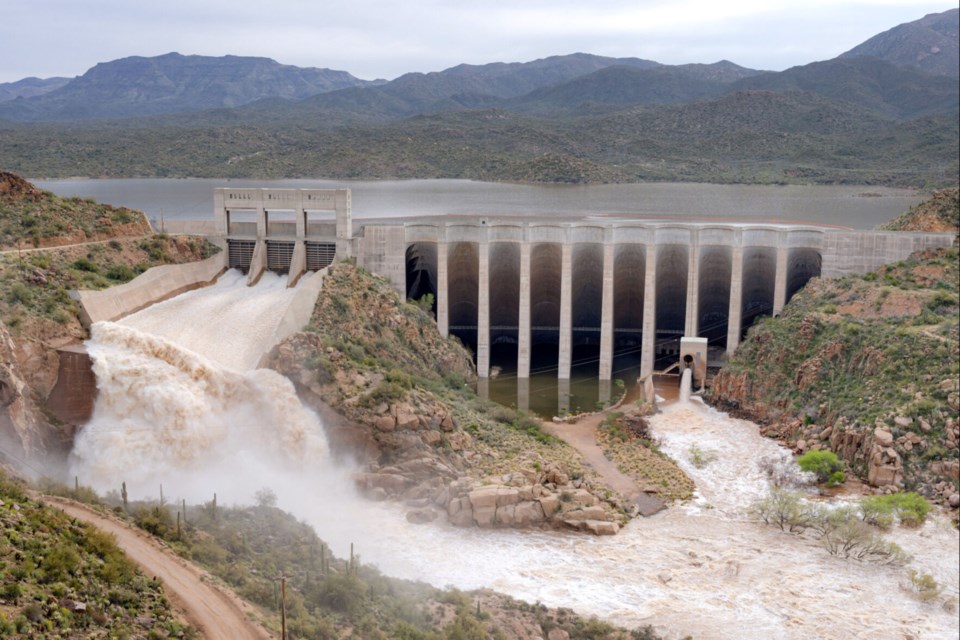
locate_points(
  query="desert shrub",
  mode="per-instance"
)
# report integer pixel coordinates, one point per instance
(84, 264)
(824, 519)
(825, 465)
(782, 471)
(120, 273)
(785, 509)
(857, 540)
(425, 303)
(342, 592)
(909, 507)
(923, 585)
(701, 457)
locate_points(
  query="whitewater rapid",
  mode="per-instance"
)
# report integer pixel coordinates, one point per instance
(198, 421)
(180, 404)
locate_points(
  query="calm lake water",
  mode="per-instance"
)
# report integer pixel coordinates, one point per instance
(859, 207)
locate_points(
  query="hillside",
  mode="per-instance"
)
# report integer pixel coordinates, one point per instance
(940, 213)
(865, 366)
(928, 44)
(29, 87)
(247, 548)
(65, 579)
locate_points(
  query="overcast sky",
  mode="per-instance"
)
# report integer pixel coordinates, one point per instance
(384, 38)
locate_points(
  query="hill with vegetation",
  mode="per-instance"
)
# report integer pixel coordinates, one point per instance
(248, 549)
(866, 367)
(63, 579)
(941, 213)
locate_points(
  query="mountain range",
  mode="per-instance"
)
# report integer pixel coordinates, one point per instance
(885, 111)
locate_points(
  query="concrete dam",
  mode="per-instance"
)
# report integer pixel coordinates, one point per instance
(517, 291)
(510, 287)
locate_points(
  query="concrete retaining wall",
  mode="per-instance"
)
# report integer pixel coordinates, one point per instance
(154, 285)
(72, 398)
(298, 313)
(859, 252)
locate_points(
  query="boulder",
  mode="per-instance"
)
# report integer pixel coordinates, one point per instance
(954, 501)
(528, 513)
(385, 423)
(421, 516)
(484, 497)
(602, 527)
(882, 437)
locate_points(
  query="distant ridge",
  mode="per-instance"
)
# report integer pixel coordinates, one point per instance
(928, 44)
(29, 87)
(171, 83)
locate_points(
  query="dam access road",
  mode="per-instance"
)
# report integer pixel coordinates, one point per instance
(216, 613)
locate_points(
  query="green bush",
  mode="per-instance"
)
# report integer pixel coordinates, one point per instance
(84, 264)
(120, 273)
(910, 508)
(825, 465)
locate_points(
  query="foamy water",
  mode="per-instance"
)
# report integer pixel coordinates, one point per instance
(168, 415)
(228, 322)
(704, 569)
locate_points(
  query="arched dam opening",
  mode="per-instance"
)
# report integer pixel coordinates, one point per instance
(597, 311)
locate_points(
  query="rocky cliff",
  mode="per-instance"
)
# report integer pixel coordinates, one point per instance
(865, 366)
(405, 408)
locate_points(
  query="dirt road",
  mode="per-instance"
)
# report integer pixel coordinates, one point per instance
(216, 614)
(582, 436)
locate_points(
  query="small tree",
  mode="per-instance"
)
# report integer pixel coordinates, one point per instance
(825, 465)
(265, 497)
(784, 509)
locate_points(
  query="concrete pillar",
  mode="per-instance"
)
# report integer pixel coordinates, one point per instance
(483, 312)
(258, 263)
(563, 396)
(298, 263)
(343, 204)
(604, 391)
(483, 388)
(736, 300)
(523, 394)
(649, 341)
(523, 337)
(606, 313)
(566, 312)
(443, 315)
(780, 286)
(301, 219)
(220, 212)
(690, 327)
(261, 221)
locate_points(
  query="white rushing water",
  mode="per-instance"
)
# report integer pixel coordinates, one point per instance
(168, 415)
